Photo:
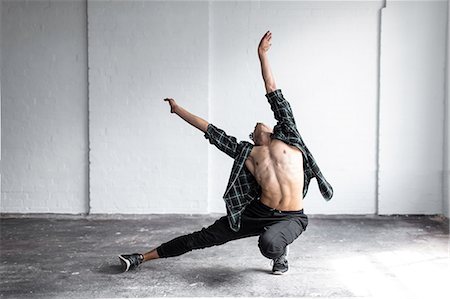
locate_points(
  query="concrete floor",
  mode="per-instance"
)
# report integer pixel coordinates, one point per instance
(337, 256)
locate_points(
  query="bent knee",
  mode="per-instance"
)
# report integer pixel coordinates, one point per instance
(270, 247)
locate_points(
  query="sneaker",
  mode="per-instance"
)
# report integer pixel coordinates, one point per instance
(280, 265)
(131, 261)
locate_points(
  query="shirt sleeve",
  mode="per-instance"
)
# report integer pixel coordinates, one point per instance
(225, 143)
(281, 108)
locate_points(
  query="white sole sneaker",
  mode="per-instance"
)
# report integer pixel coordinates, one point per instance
(278, 272)
(125, 263)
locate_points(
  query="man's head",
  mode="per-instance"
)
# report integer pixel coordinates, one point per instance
(261, 134)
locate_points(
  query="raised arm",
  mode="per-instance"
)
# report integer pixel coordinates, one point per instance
(280, 107)
(190, 118)
(226, 143)
(263, 47)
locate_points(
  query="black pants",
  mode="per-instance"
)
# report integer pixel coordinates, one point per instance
(276, 229)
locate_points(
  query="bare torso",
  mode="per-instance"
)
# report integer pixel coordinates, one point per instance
(278, 169)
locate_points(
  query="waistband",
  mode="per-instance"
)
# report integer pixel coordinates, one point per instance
(272, 209)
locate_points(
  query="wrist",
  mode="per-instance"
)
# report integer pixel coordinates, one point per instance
(174, 109)
(262, 53)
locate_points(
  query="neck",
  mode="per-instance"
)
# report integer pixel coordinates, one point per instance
(265, 139)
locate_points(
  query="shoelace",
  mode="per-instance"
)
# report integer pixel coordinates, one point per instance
(283, 257)
(281, 260)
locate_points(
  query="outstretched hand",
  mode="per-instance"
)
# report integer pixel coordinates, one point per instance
(173, 104)
(265, 43)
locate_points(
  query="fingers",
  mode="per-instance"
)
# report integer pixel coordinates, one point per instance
(269, 38)
(171, 103)
(267, 35)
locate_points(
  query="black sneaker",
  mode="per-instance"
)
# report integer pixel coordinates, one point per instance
(280, 265)
(131, 261)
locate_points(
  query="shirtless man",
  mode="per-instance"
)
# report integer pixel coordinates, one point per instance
(269, 178)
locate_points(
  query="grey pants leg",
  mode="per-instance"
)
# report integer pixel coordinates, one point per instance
(216, 234)
(273, 241)
(275, 228)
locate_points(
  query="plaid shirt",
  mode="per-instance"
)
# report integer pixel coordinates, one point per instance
(242, 186)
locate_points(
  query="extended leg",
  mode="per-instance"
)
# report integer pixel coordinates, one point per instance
(216, 234)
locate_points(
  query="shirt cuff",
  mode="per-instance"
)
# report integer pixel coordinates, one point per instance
(274, 94)
(209, 129)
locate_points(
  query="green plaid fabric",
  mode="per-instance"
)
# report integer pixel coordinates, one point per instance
(242, 186)
(286, 131)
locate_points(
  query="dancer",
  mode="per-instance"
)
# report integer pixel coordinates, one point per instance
(265, 191)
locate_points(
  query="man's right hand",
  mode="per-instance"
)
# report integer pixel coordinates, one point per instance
(263, 47)
(265, 43)
(172, 103)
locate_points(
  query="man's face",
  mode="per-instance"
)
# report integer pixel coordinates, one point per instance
(259, 130)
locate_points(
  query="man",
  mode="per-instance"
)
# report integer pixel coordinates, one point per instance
(268, 181)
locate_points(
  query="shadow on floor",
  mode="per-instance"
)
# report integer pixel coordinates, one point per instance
(109, 268)
(210, 276)
(213, 277)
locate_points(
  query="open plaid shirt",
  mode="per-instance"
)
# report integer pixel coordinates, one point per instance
(242, 186)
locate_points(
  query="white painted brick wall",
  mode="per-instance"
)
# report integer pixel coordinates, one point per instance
(144, 159)
(413, 45)
(324, 58)
(446, 177)
(203, 54)
(0, 100)
(44, 119)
